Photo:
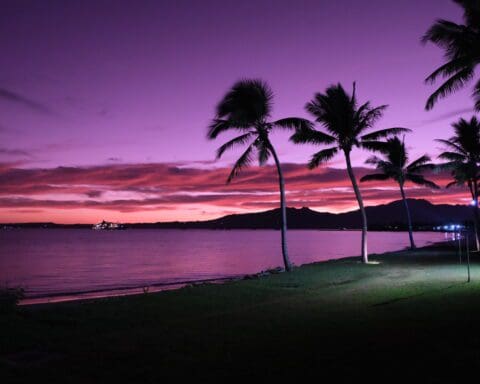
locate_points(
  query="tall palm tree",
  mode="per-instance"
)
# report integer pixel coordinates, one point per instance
(462, 158)
(395, 166)
(461, 43)
(246, 108)
(347, 124)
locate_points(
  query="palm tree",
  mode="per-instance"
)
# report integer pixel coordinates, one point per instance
(346, 124)
(246, 108)
(463, 159)
(394, 166)
(461, 43)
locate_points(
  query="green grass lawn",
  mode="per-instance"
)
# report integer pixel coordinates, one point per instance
(411, 316)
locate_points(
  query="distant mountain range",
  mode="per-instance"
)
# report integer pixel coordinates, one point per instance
(389, 216)
(386, 216)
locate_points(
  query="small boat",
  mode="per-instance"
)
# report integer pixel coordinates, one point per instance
(106, 225)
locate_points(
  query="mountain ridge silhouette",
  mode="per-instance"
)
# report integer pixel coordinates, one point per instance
(385, 216)
(390, 216)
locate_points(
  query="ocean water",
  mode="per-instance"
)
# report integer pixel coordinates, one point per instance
(86, 263)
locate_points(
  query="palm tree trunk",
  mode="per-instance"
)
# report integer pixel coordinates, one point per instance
(360, 205)
(475, 229)
(409, 219)
(283, 208)
(475, 214)
(474, 192)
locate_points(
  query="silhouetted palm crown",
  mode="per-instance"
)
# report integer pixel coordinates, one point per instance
(394, 165)
(463, 152)
(346, 123)
(461, 43)
(246, 108)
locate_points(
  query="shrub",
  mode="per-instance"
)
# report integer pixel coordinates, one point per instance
(9, 298)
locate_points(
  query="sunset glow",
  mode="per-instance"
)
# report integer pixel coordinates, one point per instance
(165, 192)
(107, 119)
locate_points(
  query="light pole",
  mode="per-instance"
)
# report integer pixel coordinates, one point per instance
(468, 258)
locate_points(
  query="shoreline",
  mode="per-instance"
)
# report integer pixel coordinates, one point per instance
(81, 296)
(120, 291)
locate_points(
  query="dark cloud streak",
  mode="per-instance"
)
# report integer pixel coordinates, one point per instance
(26, 102)
(448, 115)
(14, 152)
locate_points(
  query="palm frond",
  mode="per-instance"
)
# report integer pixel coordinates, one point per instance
(450, 68)
(263, 151)
(234, 142)
(296, 123)
(375, 177)
(454, 83)
(429, 167)
(460, 43)
(247, 102)
(344, 121)
(471, 12)
(333, 109)
(369, 117)
(462, 172)
(451, 144)
(448, 166)
(218, 126)
(451, 156)
(322, 157)
(476, 95)
(467, 136)
(454, 183)
(420, 162)
(388, 168)
(382, 133)
(445, 34)
(311, 136)
(420, 180)
(373, 160)
(243, 161)
(361, 111)
(375, 146)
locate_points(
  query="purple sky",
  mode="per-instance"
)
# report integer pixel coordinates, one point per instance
(105, 82)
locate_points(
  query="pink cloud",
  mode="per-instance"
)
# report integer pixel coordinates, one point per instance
(180, 191)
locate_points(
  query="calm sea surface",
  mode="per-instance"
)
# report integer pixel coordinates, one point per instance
(74, 261)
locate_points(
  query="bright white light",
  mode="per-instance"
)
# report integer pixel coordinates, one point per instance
(473, 203)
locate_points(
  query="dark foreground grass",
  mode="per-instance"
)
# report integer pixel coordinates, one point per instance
(413, 316)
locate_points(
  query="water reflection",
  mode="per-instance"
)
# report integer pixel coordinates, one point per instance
(52, 261)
